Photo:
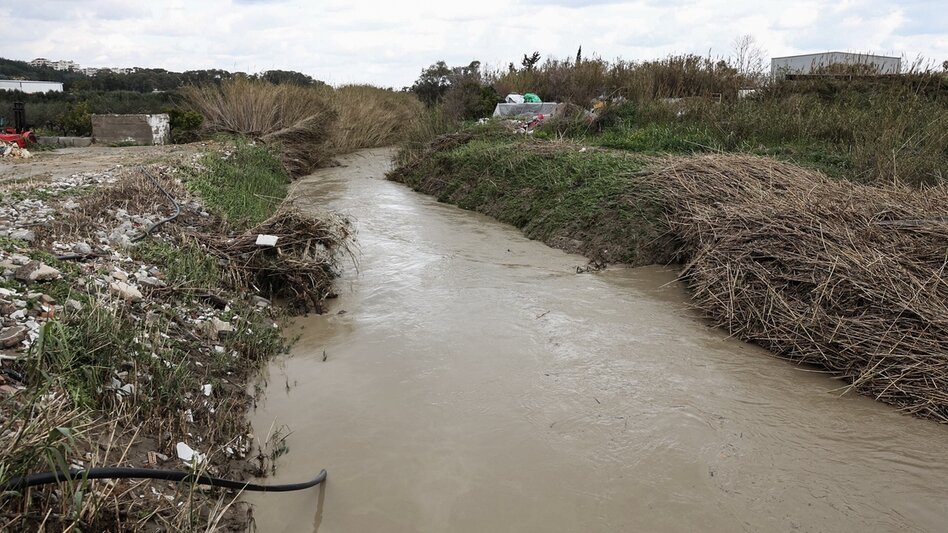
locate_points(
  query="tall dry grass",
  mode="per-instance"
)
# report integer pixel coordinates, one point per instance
(308, 125)
(369, 117)
(255, 107)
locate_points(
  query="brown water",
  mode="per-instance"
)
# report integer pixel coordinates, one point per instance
(476, 383)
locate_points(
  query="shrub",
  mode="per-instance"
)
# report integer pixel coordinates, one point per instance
(185, 125)
(77, 119)
(469, 99)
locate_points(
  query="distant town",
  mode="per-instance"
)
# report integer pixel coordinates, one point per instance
(66, 65)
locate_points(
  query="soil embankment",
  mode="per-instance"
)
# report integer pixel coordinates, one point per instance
(467, 379)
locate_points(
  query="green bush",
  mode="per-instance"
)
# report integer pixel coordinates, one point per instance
(469, 99)
(185, 125)
(77, 119)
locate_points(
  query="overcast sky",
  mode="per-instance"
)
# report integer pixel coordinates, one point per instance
(389, 42)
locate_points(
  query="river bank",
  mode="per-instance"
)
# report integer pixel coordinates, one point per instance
(845, 276)
(136, 309)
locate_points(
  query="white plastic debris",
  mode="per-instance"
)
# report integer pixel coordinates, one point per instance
(207, 389)
(188, 454)
(266, 240)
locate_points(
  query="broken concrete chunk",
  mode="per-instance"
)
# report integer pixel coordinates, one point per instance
(36, 271)
(119, 275)
(126, 291)
(73, 305)
(267, 240)
(150, 281)
(22, 234)
(217, 328)
(10, 337)
(260, 301)
(82, 248)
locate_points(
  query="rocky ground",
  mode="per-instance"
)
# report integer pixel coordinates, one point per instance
(124, 335)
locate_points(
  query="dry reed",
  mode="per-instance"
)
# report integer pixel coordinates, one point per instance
(845, 276)
(299, 268)
(309, 125)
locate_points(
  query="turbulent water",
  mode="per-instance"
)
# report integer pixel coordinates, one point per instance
(473, 381)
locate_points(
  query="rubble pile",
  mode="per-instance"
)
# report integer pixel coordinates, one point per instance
(67, 250)
(128, 307)
(12, 150)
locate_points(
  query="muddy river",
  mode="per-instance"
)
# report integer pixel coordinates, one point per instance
(473, 381)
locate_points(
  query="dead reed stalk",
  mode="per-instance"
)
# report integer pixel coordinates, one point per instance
(848, 277)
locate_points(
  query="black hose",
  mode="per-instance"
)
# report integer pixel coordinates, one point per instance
(79, 474)
(177, 208)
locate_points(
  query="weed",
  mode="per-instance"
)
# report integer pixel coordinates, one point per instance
(245, 187)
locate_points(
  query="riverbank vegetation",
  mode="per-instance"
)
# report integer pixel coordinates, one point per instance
(810, 217)
(125, 352)
(307, 125)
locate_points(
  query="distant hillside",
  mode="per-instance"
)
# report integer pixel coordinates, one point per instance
(21, 70)
(142, 80)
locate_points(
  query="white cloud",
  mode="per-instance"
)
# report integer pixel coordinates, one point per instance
(388, 42)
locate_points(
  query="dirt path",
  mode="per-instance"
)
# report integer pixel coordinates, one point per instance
(68, 161)
(467, 379)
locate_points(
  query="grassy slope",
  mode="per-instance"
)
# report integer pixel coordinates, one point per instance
(582, 200)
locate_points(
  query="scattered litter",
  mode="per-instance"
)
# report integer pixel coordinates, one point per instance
(266, 240)
(207, 389)
(188, 454)
(126, 291)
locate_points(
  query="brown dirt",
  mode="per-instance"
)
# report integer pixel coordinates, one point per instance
(67, 161)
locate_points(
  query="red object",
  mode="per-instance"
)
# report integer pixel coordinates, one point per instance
(10, 135)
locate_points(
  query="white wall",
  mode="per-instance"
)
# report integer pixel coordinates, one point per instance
(31, 86)
(804, 64)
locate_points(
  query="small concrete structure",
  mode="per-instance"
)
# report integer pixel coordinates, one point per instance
(66, 142)
(31, 86)
(531, 110)
(131, 129)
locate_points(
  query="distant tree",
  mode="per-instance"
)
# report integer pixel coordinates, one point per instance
(432, 83)
(579, 55)
(529, 62)
(944, 65)
(748, 58)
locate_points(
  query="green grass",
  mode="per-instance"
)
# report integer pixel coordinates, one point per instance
(659, 138)
(245, 187)
(592, 201)
(184, 265)
(866, 135)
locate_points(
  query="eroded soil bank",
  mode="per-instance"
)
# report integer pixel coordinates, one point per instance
(473, 381)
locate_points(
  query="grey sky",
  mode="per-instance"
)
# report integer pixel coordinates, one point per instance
(389, 42)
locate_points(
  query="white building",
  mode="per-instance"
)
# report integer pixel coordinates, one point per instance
(29, 86)
(63, 64)
(810, 63)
